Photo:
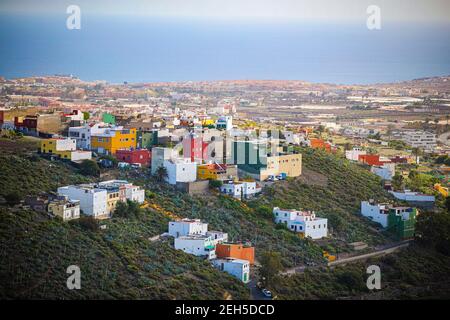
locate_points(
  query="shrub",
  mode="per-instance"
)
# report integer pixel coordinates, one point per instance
(89, 168)
(13, 198)
(88, 223)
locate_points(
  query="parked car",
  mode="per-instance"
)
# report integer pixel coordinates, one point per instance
(122, 165)
(267, 293)
(282, 176)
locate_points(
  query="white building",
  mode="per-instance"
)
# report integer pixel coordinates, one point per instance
(354, 153)
(180, 170)
(198, 245)
(420, 139)
(83, 134)
(224, 122)
(132, 192)
(236, 267)
(385, 172)
(159, 155)
(187, 227)
(377, 212)
(217, 236)
(92, 200)
(411, 196)
(240, 189)
(295, 138)
(304, 222)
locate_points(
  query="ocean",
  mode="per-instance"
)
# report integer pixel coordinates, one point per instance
(148, 49)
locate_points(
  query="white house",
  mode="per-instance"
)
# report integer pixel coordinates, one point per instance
(83, 134)
(92, 200)
(377, 212)
(224, 122)
(241, 189)
(198, 245)
(132, 192)
(180, 170)
(385, 172)
(411, 196)
(217, 236)
(159, 155)
(236, 267)
(354, 153)
(187, 227)
(304, 222)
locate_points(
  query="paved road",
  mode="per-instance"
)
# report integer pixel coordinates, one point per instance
(255, 293)
(381, 251)
(387, 249)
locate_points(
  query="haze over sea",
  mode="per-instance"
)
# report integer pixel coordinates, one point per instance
(147, 49)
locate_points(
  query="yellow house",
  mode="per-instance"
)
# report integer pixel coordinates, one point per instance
(216, 171)
(64, 148)
(112, 197)
(114, 139)
(208, 122)
(60, 147)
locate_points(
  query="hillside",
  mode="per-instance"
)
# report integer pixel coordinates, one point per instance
(121, 262)
(413, 273)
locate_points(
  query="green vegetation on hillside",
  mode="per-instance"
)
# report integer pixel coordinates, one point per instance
(117, 263)
(30, 174)
(126, 261)
(338, 198)
(413, 273)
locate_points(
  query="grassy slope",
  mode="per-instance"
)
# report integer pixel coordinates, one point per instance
(339, 199)
(26, 173)
(413, 273)
(121, 263)
(117, 263)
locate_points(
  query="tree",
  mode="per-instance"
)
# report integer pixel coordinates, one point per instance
(270, 266)
(416, 152)
(86, 116)
(89, 168)
(433, 229)
(88, 223)
(447, 204)
(161, 173)
(128, 209)
(215, 183)
(12, 198)
(398, 182)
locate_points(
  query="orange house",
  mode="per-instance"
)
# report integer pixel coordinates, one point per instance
(320, 144)
(370, 159)
(236, 250)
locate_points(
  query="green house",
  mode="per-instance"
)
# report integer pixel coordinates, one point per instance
(108, 118)
(402, 221)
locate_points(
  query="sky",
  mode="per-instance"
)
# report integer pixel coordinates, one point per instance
(181, 40)
(306, 10)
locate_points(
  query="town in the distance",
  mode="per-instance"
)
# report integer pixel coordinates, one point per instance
(245, 189)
